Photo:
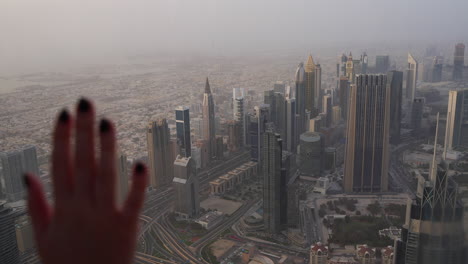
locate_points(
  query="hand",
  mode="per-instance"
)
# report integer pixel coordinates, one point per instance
(85, 226)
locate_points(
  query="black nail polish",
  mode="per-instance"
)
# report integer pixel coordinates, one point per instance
(64, 116)
(26, 180)
(139, 168)
(84, 105)
(104, 126)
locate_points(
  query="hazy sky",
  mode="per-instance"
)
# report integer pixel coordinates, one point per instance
(41, 32)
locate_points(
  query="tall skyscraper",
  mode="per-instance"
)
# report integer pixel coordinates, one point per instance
(350, 68)
(364, 63)
(327, 110)
(279, 87)
(122, 178)
(183, 130)
(417, 114)
(9, 250)
(239, 113)
(458, 62)
(209, 133)
(343, 96)
(312, 83)
(310, 156)
(382, 63)
(456, 134)
(436, 71)
(291, 125)
(300, 99)
(395, 83)
(257, 128)
(411, 78)
(234, 135)
(368, 127)
(15, 164)
(433, 230)
(160, 156)
(186, 187)
(274, 192)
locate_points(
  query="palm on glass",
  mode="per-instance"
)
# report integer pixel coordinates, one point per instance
(85, 225)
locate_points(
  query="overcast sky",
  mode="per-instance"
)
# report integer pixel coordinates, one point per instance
(46, 31)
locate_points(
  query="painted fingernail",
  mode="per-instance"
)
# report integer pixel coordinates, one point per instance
(104, 126)
(26, 180)
(84, 105)
(64, 116)
(139, 168)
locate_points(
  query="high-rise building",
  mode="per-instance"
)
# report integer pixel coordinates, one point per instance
(330, 159)
(24, 234)
(433, 230)
(183, 130)
(318, 254)
(9, 249)
(458, 62)
(456, 134)
(279, 87)
(316, 124)
(122, 178)
(395, 83)
(160, 157)
(350, 68)
(300, 100)
(234, 135)
(312, 83)
(14, 165)
(417, 114)
(382, 63)
(436, 71)
(239, 113)
(336, 115)
(411, 78)
(209, 133)
(364, 63)
(311, 147)
(291, 124)
(274, 184)
(186, 187)
(368, 127)
(343, 95)
(327, 110)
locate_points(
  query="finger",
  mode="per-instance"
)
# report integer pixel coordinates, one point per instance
(105, 182)
(136, 196)
(61, 160)
(39, 209)
(85, 163)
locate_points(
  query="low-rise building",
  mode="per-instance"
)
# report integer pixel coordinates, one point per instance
(210, 219)
(387, 255)
(365, 254)
(233, 178)
(318, 254)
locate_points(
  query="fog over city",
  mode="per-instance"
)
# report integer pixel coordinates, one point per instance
(42, 34)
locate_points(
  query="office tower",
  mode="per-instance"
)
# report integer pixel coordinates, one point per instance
(234, 135)
(14, 165)
(395, 85)
(279, 87)
(269, 99)
(183, 130)
(318, 88)
(327, 110)
(411, 78)
(311, 147)
(209, 134)
(160, 157)
(186, 187)
(416, 114)
(318, 254)
(311, 89)
(349, 68)
(239, 113)
(382, 63)
(330, 159)
(343, 95)
(9, 250)
(336, 115)
(291, 124)
(274, 193)
(200, 153)
(343, 60)
(458, 62)
(364, 63)
(256, 129)
(122, 178)
(433, 230)
(24, 234)
(436, 71)
(316, 124)
(300, 99)
(456, 134)
(368, 127)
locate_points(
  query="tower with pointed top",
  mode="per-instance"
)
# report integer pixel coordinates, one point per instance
(208, 120)
(312, 86)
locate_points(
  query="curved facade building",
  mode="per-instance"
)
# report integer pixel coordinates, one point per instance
(310, 153)
(8, 247)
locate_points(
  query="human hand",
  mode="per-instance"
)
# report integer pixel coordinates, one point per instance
(85, 226)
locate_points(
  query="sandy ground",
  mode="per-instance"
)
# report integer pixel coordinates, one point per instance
(222, 205)
(220, 247)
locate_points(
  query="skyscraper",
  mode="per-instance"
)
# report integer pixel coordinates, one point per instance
(122, 178)
(9, 250)
(364, 63)
(411, 78)
(160, 156)
(209, 133)
(279, 87)
(183, 130)
(310, 154)
(395, 83)
(350, 68)
(274, 192)
(186, 187)
(239, 113)
(368, 127)
(300, 99)
(257, 128)
(382, 63)
(417, 114)
(15, 164)
(456, 134)
(458, 62)
(343, 96)
(327, 110)
(291, 124)
(312, 86)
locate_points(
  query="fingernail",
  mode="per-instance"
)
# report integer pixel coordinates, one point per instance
(26, 180)
(84, 105)
(64, 116)
(104, 126)
(139, 168)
